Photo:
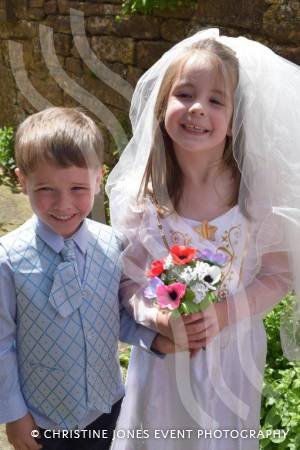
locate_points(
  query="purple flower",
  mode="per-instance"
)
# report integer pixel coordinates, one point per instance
(150, 291)
(218, 258)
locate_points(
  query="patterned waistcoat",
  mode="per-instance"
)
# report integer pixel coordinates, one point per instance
(67, 366)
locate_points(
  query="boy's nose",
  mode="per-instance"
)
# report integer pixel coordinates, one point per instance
(63, 201)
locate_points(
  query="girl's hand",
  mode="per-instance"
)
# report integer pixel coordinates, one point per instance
(19, 433)
(202, 327)
(173, 329)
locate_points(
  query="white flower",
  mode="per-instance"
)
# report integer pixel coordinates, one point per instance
(188, 275)
(168, 264)
(212, 277)
(201, 269)
(200, 292)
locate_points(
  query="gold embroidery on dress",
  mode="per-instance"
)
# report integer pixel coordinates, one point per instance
(177, 237)
(230, 239)
(206, 231)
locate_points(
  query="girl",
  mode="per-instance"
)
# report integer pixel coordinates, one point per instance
(211, 164)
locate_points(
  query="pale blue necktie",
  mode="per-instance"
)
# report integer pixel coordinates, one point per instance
(65, 295)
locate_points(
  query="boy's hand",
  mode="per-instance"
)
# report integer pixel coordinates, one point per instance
(163, 345)
(19, 433)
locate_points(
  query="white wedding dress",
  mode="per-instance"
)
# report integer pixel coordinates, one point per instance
(210, 402)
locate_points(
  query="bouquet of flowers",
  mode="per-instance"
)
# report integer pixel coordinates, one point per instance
(185, 282)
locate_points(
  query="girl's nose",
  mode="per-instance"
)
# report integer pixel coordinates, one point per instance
(197, 107)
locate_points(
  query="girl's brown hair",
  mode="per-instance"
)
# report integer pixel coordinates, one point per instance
(168, 173)
(62, 136)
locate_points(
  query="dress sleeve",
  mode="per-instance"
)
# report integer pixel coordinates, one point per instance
(266, 289)
(136, 256)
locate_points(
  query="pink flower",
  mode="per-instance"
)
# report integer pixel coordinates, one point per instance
(170, 296)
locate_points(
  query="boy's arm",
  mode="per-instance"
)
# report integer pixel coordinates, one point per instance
(135, 334)
(12, 404)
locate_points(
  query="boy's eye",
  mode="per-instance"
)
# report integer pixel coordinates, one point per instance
(79, 188)
(44, 189)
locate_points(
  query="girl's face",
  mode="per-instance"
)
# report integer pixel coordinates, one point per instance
(199, 108)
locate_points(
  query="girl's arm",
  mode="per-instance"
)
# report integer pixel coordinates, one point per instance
(254, 301)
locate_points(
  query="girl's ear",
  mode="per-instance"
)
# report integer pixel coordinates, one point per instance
(22, 180)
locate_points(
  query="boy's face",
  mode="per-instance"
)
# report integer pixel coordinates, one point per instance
(61, 197)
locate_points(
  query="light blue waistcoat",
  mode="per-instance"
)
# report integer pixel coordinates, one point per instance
(67, 366)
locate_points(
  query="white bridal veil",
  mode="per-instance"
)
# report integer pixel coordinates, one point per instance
(266, 145)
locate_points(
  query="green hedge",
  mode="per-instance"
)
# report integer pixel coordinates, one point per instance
(7, 162)
(149, 6)
(281, 393)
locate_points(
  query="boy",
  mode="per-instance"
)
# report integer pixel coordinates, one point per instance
(59, 308)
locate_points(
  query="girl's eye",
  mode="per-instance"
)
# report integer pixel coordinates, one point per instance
(216, 101)
(79, 188)
(183, 95)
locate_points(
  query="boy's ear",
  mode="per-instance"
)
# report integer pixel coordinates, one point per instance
(22, 180)
(99, 179)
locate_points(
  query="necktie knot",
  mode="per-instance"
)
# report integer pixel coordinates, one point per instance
(68, 251)
(65, 295)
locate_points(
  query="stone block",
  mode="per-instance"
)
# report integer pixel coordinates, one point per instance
(23, 29)
(48, 88)
(73, 65)
(60, 24)
(4, 56)
(133, 75)
(36, 3)
(8, 96)
(50, 7)
(99, 25)
(244, 15)
(25, 104)
(281, 22)
(89, 8)
(176, 13)
(102, 91)
(149, 52)
(139, 27)
(36, 14)
(117, 68)
(114, 49)
(19, 9)
(62, 44)
(174, 30)
(2, 15)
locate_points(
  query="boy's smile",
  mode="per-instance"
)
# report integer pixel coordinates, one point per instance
(61, 196)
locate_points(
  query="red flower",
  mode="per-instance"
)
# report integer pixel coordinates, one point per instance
(157, 267)
(182, 255)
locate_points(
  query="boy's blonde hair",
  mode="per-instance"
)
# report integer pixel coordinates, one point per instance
(169, 174)
(62, 136)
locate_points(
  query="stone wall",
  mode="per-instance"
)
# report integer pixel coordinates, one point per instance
(126, 47)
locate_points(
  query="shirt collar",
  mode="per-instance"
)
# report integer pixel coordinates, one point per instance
(56, 241)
